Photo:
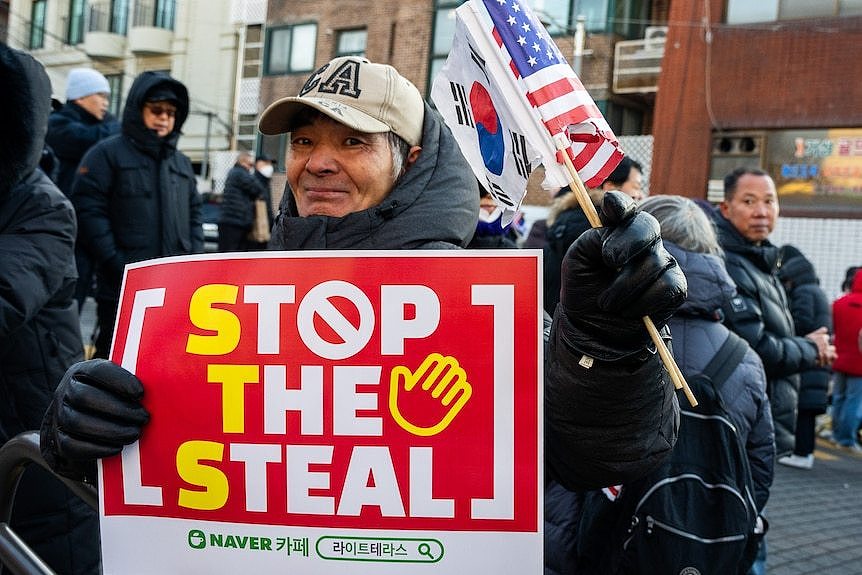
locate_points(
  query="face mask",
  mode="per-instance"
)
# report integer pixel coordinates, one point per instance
(267, 171)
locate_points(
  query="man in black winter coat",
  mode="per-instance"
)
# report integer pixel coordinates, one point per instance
(760, 313)
(136, 194)
(39, 330)
(241, 190)
(370, 165)
(72, 130)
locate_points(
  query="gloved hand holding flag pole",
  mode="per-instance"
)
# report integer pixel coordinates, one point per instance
(505, 70)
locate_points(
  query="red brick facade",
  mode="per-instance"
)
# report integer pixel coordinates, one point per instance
(786, 74)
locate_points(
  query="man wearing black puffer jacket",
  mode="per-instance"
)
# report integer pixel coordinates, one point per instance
(135, 193)
(760, 313)
(39, 330)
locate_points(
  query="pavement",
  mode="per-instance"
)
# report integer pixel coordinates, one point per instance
(815, 515)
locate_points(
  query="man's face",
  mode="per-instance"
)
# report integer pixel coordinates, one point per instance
(334, 170)
(753, 209)
(631, 187)
(159, 116)
(95, 104)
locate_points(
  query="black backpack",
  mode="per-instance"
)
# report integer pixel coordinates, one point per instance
(694, 515)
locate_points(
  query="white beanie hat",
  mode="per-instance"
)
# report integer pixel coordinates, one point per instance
(85, 81)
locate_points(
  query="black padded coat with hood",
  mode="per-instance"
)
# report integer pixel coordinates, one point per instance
(39, 330)
(136, 194)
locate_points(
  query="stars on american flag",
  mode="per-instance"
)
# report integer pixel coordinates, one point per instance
(537, 49)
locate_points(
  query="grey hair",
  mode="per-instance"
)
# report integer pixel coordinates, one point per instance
(399, 149)
(683, 223)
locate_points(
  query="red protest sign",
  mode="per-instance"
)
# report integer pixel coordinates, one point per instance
(370, 390)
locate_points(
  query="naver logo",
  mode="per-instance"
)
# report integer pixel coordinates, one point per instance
(197, 539)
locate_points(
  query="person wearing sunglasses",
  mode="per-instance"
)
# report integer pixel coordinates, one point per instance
(135, 193)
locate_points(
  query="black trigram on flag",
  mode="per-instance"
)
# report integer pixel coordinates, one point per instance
(500, 195)
(462, 105)
(519, 155)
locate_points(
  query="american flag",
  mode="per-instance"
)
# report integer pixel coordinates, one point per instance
(551, 86)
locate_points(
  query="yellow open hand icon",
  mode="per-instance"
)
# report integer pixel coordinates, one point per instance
(438, 374)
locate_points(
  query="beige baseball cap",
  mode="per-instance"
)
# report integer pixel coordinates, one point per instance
(368, 97)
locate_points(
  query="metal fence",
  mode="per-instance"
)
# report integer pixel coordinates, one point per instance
(15, 455)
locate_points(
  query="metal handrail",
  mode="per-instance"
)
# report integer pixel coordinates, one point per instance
(15, 455)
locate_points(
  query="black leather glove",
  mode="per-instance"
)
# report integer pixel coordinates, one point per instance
(96, 410)
(613, 276)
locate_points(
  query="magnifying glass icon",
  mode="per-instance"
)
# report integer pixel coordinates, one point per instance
(425, 549)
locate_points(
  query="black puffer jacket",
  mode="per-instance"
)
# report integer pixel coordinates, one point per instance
(39, 330)
(811, 310)
(697, 336)
(72, 131)
(760, 313)
(135, 193)
(241, 189)
(567, 227)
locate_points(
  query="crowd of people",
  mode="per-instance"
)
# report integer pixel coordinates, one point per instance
(371, 165)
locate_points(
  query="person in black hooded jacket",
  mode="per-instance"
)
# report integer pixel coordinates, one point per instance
(810, 310)
(372, 166)
(135, 194)
(39, 331)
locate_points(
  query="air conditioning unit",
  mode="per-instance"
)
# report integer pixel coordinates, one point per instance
(654, 37)
(732, 150)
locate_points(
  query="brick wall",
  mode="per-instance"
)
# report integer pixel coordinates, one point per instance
(789, 74)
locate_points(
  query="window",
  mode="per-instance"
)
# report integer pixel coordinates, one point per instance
(165, 12)
(559, 16)
(119, 16)
(37, 25)
(290, 49)
(156, 13)
(629, 18)
(115, 81)
(76, 22)
(351, 42)
(554, 14)
(744, 11)
(444, 32)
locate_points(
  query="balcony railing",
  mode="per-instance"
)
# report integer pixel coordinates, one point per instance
(637, 64)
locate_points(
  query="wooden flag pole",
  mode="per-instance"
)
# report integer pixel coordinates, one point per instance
(562, 144)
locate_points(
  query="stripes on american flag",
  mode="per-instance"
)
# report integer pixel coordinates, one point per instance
(552, 88)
